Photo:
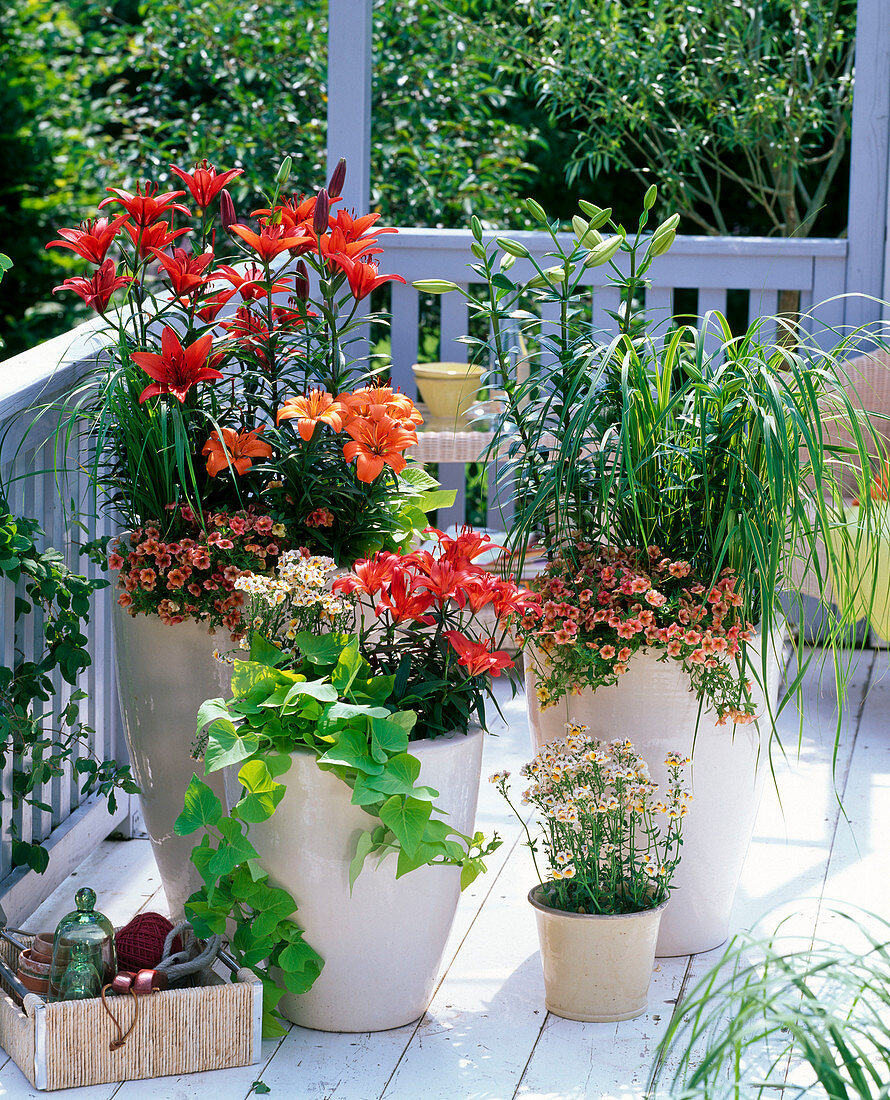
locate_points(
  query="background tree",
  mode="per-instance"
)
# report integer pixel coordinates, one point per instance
(738, 109)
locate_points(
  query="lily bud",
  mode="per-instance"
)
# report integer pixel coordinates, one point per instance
(284, 171)
(586, 234)
(322, 209)
(603, 252)
(227, 210)
(650, 197)
(536, 210)
(662, 243)
(434, 286)
(301, 282)
(553, 276)
(507, 261)
(513, 248)
(476, 227)
(338, 178)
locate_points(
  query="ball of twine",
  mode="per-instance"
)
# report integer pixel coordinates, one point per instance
(140, 944)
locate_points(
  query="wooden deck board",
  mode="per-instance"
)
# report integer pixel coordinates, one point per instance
(487, 1035)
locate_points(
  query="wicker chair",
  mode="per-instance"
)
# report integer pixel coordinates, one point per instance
(868, 386)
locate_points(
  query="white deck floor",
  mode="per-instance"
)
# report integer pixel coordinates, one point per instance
(487, 1035)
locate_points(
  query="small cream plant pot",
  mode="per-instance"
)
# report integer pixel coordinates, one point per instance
(448, 390)
(597, 967)
(654, 707)
(383, 942)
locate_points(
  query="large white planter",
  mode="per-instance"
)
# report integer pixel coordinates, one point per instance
(381, 945)
(597, 968)
(653, 706)
(164, 674)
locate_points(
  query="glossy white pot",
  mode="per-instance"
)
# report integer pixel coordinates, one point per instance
(653, 706)
(381, 945)
(597, 968)
(164, 674)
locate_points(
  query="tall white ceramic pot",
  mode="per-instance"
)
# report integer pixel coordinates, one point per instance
(382, 944)
(164, 674)
(597, 967)
(653, 706)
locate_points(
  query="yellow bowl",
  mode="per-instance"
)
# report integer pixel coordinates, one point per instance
(448, 390)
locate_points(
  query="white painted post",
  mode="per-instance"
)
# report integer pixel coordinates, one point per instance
(349, 97)
(867, 267)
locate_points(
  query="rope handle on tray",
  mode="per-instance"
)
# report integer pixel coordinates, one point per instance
(122, 1035)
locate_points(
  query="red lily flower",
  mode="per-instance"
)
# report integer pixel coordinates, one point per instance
(158, 235)
(204, 183)
(293, 213)
(476, 657)
(368, 575)
(186, 271)
(401, 603)
(362, 275)
(252, 285)
(235, 450)
(176, 369)
(334, 245)
(461, 551)
(273, 240)
(210, 307)
(249, 331)
(441, 579)
(97, 291)
(144, 205)
(316, 407)
(354, 229)
(377, 443)
(91, 239)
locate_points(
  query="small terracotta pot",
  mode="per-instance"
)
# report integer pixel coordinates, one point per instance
(597, 968)
(35, 985)
(37, 968)
(42, 947)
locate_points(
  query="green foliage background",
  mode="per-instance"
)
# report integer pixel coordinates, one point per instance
(477, 104)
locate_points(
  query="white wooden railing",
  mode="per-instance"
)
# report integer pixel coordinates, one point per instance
(711, 266)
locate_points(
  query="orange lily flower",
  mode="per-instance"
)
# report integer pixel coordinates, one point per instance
(377, 443)
(176, 369)
(374, 401)
(316, 407)
(274, 239)
(235, 449)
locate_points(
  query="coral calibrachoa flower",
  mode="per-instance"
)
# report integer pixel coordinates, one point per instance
(185, 567)
(610, 836)
(593, 611)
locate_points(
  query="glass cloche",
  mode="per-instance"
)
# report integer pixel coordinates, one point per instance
(84, 940)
